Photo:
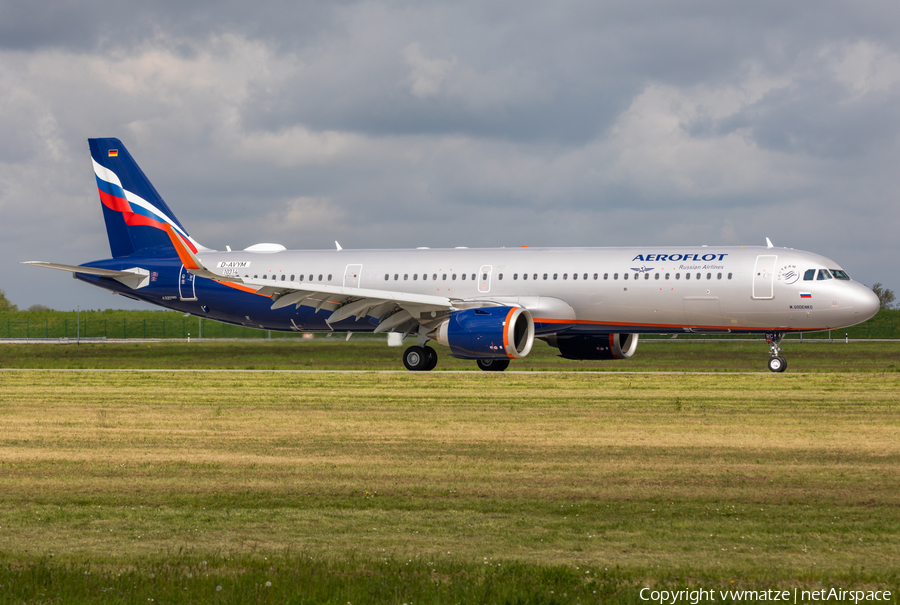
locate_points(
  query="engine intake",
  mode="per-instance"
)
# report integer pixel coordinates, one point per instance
(595, 346)
(487, 333)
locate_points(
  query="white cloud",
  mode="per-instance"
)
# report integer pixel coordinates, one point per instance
(426, 75)
(864, 67)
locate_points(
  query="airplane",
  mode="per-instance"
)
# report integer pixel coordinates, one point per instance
(486, 304)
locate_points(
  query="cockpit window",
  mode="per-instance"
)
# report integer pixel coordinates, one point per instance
(809, 275)
(838, 274)
(823, 274)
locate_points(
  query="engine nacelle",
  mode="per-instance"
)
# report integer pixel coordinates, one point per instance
(487, 333)
(599, 346)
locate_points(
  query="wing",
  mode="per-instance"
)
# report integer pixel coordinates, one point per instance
(399, 311)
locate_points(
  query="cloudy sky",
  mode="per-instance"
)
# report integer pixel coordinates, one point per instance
(403, 124)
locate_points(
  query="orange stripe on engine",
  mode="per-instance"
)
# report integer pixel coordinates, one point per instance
(506, 330)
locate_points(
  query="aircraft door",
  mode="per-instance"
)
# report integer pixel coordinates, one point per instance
(484, 279)
(764, 277)
(352, 276)
(186, 290)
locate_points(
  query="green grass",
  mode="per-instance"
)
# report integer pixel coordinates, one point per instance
(443, 488)
(370, 353)
(160, 324)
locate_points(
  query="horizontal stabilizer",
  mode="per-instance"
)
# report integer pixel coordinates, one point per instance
(134, 278)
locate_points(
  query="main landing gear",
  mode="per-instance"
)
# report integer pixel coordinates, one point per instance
(420, 359)
(492, 365)
(777, 363)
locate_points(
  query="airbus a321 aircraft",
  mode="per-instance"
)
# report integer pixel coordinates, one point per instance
(485, 304)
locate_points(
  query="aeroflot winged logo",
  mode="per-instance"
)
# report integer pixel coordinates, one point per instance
(683, 257)
(135, 209)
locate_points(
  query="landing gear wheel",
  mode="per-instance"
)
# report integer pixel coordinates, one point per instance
(432, 360)
(493, 365)
(415, 358)
(777, 364)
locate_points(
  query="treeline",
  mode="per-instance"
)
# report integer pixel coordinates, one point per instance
(171, 324)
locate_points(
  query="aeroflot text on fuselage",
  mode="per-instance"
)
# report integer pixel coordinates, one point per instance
(672, 257)
(571, 298)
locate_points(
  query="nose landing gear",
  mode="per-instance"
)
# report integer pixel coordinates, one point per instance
(777, 363)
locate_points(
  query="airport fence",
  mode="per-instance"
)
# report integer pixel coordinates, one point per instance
(93, 326)
(168, 325)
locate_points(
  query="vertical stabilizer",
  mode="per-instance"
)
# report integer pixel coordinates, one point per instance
(135, 213)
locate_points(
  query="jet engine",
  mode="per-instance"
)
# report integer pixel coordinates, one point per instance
(595, 346)
(487, 333)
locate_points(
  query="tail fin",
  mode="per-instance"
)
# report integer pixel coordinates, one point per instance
(135, 214)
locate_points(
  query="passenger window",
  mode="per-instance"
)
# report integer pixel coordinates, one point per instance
(329, 277)
(515, 276)
(678, 276)
(464, 276)
(415, 276)
(667, 276)
(605, 276)
(396, 277)
(555, 275)
(434, 277)
(646, 276)
(615, 276)
(656, 276)
(709, 276)
(445, 277)
(636, 276)
(473, 277)
(625, 276)
(292, 278)
(686, 275)
(719, 276)
(283, 277)
(596, 275)
(454, 277)
(809, 275)
(535, 276)
(499, 277)
(729, 276)
(565, 276)
(585, 276)
(405, 276)
(320, 277)
(524, 276)
(545, 277)
(386, 277)
(574, 276)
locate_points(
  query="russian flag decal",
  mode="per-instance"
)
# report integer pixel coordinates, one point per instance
(113, 153)
(805, 295)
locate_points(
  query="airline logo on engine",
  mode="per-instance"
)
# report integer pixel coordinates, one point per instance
(684, 257)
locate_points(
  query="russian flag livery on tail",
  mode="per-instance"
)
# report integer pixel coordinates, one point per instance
(135, 213)
(488, 305)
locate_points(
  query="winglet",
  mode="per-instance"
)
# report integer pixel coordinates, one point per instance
(769, 243)
(184, 253)
(337, 245)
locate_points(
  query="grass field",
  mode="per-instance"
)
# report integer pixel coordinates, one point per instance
(370, 353)
(446, 488)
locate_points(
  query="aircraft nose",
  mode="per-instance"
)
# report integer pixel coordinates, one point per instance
(866, 303)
